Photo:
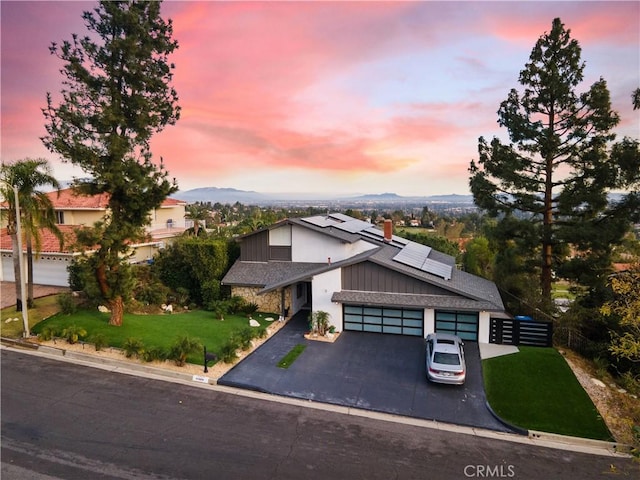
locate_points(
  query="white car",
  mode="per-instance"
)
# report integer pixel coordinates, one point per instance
(445, 359)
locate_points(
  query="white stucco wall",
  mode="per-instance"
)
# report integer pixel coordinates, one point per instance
(429, 321)
(323, 286)
(310, 246)
(484, 325)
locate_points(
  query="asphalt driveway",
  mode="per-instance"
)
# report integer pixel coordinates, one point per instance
(371, 371)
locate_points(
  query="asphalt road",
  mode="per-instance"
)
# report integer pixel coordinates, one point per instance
(65, 421)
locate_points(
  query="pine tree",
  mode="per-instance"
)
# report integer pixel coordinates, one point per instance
(116, 95)
(558, 168)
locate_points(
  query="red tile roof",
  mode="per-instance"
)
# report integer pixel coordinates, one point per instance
(50, 243)
(70, 199)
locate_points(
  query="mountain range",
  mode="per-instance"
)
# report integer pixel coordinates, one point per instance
(232, 195)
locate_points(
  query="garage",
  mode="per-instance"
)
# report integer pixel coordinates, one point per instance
(463, 324)
(398, 321)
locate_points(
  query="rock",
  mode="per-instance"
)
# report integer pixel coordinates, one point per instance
(599, 383)
(103, 309)
(269, 319)
(168, 309)
(254, 323)
(622, 390)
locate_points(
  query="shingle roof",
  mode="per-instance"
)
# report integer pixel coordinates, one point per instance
(469, 292)
(412, 300)
(265, 274)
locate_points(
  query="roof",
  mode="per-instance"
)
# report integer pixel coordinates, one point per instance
(71, 199)
(50, 243)
(469, 292)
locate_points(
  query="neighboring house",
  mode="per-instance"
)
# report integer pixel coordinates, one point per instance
(74, 211)
(367, 279)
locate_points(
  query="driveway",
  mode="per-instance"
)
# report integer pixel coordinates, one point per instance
(8, 292)
(371, 371)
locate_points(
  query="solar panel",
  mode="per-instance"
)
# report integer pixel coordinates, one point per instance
(320, 221)
(416, 255)
(353, 226)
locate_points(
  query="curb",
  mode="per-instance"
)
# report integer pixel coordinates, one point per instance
(550, 440)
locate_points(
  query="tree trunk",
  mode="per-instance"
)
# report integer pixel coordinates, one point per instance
(116, 306)
(29, 270)
(16, 271)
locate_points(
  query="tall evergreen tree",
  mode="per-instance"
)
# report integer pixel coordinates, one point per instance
(557, 169)
(116, 95)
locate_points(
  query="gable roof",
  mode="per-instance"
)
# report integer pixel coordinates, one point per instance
(401, 255)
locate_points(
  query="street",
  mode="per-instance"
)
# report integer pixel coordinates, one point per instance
(64, 421)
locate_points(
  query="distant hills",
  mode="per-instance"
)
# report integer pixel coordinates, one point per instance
(232, 195)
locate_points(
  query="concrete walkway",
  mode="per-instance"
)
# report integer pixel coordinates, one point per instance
(8, 292)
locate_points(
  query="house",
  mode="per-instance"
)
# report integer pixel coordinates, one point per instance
(366, 278)
(74, 210)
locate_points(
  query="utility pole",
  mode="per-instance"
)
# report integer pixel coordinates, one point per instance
(23, 293)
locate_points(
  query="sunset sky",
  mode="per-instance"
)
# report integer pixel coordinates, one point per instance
(317, 97)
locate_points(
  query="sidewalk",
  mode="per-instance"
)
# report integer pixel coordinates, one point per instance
(541, 439)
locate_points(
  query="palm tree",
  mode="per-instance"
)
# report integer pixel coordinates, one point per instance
(36, 212)
(198, 213)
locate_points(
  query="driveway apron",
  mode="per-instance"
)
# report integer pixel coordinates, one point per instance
(371, 371)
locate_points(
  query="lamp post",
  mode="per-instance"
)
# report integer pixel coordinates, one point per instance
(23, 294)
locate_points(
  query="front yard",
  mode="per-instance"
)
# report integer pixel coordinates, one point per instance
(156, 331)
(537, 390)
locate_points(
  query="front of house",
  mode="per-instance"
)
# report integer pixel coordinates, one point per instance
(73, 211)
(367, 279)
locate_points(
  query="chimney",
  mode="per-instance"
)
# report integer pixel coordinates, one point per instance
(388, 230)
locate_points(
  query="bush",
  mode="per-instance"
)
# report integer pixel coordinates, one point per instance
(67, 303)
(133, 348)
(250, 308)
(73, 333)
(155, 354)
(228, 350)
(181, 348)
(244, 337)
(99, 341)
(48, 333)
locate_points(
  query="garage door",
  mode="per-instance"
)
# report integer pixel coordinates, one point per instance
(399, 321)
(463, 324)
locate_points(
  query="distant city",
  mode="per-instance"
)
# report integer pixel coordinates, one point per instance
(460, 203)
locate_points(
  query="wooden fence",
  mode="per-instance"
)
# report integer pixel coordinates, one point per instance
(521, 332)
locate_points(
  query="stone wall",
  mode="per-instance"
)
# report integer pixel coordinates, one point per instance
(267, 302)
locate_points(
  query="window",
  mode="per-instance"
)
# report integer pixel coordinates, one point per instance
(59, 217)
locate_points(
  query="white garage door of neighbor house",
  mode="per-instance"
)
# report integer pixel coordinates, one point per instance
(398, 321)
(47, 270)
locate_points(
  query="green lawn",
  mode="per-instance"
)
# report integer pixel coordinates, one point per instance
(536, 389)
(157, 330)
(43, 307)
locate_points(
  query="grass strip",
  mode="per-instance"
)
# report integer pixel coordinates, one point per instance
(290, 357)
(537, 390)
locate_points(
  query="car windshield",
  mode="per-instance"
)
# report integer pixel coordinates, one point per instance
(446, 358)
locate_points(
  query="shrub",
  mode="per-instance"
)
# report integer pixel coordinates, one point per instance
(244, 337)
(67, 303)
(181, 348)
(73, 333)
(236, 304)
(133, 347)
(319, 322)
(48, 333)
(250, 308)
(154, 354)
(99, 341)
(228, 350)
